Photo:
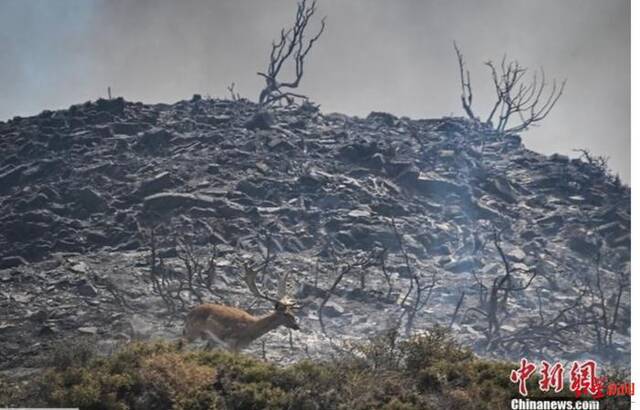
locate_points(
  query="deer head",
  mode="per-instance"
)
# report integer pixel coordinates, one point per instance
(284, 305)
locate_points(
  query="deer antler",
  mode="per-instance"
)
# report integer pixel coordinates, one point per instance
(250, 279)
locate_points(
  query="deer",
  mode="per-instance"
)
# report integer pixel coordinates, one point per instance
(236, 328)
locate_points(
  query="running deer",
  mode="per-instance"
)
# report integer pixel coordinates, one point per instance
(235, 328)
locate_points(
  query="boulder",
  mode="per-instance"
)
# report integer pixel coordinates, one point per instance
(432, 184)
(583, 245)
(12, 262)
(168, 201)
(88, 330)
(501, 187)
(127, 128)
(158, 183)
(516, 255)
(563, 159)
(383, 118)
(377, 161)
(113, 106)
(86, 289)
(276, 143)
(261, 120)
(359, 151)
(10, 178)
(466, 264)
(332, 309)
(153, 139)
(89, 199)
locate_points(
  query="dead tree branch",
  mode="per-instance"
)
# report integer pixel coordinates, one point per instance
(457, 309)
(605, 303)
(383, 266)
(599, 167)
(559, 330)
(361, 262)
(416, 286)
(199, 271)
(196, 274)
(235, 96)
(528, 100)
(604, 290)
(465, 83)
(495, 310)
(291, 46)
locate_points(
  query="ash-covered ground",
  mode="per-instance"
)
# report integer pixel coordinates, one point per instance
(109, 208)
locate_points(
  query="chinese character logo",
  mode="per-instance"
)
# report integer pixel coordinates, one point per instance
(522, 374)
(583, 379)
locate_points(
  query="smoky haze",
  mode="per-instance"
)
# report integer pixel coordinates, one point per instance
(375, 55)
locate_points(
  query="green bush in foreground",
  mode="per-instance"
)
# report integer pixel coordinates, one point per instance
(429, 371)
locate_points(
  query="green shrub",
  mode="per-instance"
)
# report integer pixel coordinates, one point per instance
(79, 353)
(427, 371)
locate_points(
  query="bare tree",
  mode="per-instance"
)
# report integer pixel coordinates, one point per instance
(362, 261)
(465, 83)
(235, 96)
(495, 308)
(199, 271)
(457, 309)
(606, 283)
(178, 284)
(599, 167)
(560, 330)
(291, 47)
(421, 291)
(603, 302)
(528, 100)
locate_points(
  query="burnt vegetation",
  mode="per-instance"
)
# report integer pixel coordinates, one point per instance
(522, 98)
(291, 49)
(419, 236)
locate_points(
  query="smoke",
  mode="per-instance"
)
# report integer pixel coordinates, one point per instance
(375, 55)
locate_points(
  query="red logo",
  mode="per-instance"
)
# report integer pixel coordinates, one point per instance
(551, 376)
(522, 374)
(583, 379)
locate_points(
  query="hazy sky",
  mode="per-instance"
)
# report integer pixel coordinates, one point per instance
(376, 55)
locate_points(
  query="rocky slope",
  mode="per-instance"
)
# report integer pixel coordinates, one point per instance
(86, 193)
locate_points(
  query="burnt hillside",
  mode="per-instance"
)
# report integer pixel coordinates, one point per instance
(421, 216)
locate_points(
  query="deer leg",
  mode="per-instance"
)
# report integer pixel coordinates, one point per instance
(189, 335)
(210, 337)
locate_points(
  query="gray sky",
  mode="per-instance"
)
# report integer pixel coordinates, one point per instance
(376, 55)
